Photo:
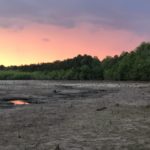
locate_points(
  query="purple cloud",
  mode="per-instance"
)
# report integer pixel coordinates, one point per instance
(125, 15)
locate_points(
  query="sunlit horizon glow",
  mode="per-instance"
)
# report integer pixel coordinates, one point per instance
(27, 39)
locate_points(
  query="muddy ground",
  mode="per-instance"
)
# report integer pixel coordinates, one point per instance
(75, 115)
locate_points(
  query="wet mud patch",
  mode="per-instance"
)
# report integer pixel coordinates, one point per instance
(71, 93)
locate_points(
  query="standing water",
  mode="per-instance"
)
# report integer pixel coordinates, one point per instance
(19, 102)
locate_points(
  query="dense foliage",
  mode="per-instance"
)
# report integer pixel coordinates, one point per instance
(128, 66)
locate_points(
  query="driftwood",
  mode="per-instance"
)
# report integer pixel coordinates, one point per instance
(101, 109)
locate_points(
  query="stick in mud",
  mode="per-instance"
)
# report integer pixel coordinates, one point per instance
(57, 147)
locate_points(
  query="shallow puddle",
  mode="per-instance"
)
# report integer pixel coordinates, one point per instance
(19, 102)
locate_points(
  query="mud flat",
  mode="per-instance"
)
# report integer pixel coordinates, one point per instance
(73, 115)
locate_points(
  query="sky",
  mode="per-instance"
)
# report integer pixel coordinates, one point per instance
(37, 31)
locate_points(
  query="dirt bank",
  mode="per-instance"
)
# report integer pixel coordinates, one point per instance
(75, 115)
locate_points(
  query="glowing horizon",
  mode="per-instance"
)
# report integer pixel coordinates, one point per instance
(34, 45)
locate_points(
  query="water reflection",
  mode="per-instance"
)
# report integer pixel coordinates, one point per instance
(19, 102)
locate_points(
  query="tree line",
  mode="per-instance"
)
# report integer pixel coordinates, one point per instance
(134, 65)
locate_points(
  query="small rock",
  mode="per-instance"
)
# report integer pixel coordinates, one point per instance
(54, 91)
(117, 105)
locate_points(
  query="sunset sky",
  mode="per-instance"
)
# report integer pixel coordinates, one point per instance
(35, 31)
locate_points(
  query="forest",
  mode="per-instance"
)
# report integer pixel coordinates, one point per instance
(133, 66)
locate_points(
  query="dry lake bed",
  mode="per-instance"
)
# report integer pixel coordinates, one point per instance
(74, 115)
